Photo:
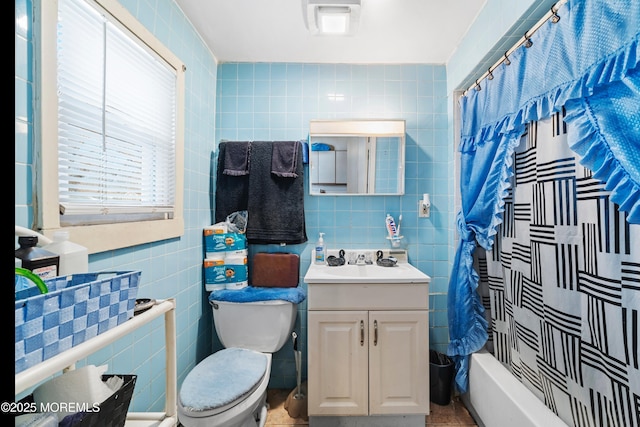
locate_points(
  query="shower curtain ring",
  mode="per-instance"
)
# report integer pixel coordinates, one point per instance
(527, 41)
(489, 74)
(506, 59)
(554, 17)
(478, 87)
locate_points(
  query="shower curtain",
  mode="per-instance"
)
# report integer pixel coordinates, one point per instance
(562, 285)
(585, 64)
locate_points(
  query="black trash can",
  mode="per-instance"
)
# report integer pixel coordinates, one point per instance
(441, 372)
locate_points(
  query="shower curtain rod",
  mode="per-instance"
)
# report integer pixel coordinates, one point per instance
(526, 40)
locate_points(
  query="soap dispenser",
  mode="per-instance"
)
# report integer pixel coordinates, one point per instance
(321, 250)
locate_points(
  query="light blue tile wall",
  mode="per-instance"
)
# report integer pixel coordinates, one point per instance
(274, 101)
(170, 268)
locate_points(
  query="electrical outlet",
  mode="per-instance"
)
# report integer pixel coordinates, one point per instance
(423, 210)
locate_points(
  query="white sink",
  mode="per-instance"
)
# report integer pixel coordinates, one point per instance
(402, 272)
(367, 286)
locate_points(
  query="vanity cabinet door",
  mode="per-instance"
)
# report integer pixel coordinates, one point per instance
(398, 362)
(338, 363)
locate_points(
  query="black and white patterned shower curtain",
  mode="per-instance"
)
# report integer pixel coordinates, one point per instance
(562, 286)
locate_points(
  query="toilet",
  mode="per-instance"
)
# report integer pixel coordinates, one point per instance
(229, 387)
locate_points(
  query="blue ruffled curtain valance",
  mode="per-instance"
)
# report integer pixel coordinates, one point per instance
(587, 63)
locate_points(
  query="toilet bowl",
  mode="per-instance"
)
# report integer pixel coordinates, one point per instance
(229, 387)
(206, 402)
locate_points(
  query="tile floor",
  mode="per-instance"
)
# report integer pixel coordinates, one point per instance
(452, 415)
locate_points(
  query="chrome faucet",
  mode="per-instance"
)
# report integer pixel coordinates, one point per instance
(363, 260)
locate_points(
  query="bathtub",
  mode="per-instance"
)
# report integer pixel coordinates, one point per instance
(497, 399)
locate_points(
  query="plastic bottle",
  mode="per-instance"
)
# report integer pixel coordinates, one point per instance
(39, 261)
(321, 250)
(74, 258)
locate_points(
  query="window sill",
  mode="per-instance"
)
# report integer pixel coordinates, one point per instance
(106, 237)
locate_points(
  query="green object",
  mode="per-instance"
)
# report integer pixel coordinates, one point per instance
(34, 278)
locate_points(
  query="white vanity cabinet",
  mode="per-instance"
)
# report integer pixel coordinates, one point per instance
(368, 351)
(338, 363)
(368, 362)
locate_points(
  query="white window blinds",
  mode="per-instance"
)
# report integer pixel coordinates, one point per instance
(116, 122)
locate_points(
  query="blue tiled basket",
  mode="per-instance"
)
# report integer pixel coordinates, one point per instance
(76, 308)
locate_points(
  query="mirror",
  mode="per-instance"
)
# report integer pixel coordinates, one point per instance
(356, 157)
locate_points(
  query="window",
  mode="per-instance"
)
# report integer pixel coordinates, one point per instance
(110, 116)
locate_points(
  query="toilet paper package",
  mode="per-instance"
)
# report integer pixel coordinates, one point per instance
(237, 285)
(219, 228)
(236, 271)
(215, 243)
(226, 271)
(214, 274)
(242, 253)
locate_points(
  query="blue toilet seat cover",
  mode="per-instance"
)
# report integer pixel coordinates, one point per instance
(256, 293)
(222, 378)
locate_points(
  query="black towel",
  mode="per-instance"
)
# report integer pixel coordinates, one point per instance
(236, 158)
(275, 205)
(232, 191)
(284, 159)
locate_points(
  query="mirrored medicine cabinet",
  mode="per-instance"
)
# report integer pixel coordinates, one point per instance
(356, 157)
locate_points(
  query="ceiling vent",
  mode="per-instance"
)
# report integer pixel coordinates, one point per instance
(331, 17)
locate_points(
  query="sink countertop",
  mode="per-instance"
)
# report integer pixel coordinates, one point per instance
(402, 272)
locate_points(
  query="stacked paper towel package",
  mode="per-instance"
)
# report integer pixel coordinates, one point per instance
(225, 263)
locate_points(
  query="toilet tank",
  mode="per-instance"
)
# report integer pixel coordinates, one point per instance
(261, 325)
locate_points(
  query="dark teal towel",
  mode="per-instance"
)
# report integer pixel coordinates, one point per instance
(232, 191)
(236, 158)
(275, 204)
(284, 158)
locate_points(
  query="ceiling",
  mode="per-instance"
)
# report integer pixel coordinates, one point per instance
(390, 31)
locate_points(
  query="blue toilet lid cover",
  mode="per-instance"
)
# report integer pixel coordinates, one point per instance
(222, 378)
